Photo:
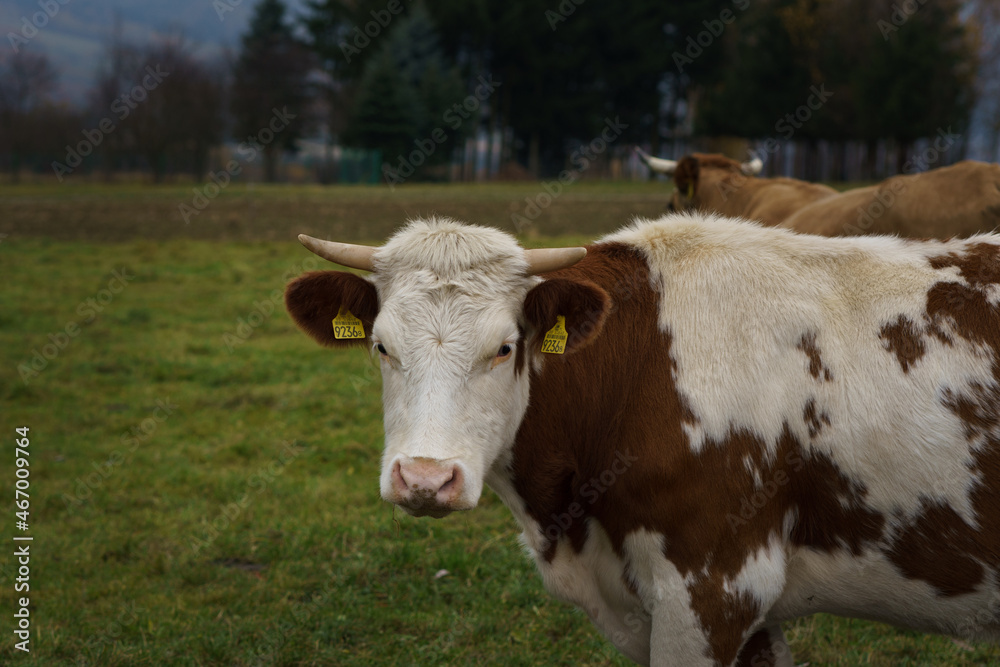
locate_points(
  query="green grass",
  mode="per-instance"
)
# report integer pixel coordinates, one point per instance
(244, 527)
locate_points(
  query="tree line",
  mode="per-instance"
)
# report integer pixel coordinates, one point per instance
(406, 77)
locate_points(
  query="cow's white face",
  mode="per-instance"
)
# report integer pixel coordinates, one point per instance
(451, 394)
(446, 308)
(450, 306)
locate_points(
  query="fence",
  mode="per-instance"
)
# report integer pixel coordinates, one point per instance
(486, 156)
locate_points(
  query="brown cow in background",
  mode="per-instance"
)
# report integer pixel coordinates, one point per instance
(710, 182)
(957, 200)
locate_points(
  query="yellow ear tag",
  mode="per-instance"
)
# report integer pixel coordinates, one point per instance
(690, 190)
(555, 338)
(346, 326)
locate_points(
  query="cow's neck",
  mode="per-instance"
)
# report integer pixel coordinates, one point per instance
(584, 430)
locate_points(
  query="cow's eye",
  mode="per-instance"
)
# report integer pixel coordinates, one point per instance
(381, 349)
(503, 354)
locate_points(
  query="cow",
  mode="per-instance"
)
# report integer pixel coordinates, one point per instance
(703, 426)
(713, 183)
(957, 200)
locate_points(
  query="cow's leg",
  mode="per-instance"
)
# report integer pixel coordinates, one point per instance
(677, 637)
(766, 648)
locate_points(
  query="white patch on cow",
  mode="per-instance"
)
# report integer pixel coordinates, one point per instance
(677, 635)
(871, 587)
(737, 299)
(594, 581)
(450, 296)
(762, 576)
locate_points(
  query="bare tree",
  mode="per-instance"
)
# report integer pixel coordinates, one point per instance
(26, 82)
(165, 105)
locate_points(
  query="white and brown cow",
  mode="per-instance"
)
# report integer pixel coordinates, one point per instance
(747, 425)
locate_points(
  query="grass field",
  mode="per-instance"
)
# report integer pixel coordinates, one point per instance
(204, 477)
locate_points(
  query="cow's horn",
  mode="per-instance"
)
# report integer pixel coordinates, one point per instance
(659, 165)
(345, 254)
(753, 167)
(543, 260)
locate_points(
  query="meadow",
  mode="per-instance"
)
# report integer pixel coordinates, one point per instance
(204, 478)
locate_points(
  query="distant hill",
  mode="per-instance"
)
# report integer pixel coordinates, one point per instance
(74, 37)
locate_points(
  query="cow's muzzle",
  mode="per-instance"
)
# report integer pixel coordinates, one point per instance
(428, 487)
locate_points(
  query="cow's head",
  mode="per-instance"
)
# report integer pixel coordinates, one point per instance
(458, 315)
(698, 177)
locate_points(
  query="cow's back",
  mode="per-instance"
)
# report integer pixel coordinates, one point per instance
(958, 200)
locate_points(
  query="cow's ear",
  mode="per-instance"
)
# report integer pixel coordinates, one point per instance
(686, 176)
(583, 305)
(315, 299)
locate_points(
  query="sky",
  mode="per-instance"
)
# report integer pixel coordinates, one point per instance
(74, 35)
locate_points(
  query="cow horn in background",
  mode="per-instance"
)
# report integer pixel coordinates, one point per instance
(753, 167)
(543, 260)
(345, 254)
(659, 165)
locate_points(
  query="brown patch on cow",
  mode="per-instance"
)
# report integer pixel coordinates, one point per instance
(831, 508)
(814, 419)
(904, 339)
(816, 367)
(314, 299)
(940, 547)
(979, 264)
(943, 558)
(618, 396)
(720, 612)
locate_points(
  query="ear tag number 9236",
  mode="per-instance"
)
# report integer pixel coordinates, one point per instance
(346, 326)
(555, 338)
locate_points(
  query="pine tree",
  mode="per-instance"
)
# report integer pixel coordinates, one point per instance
(270, 74)
(383, 118)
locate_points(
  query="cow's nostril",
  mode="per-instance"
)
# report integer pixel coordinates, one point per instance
(453, 482)
(398, 481)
